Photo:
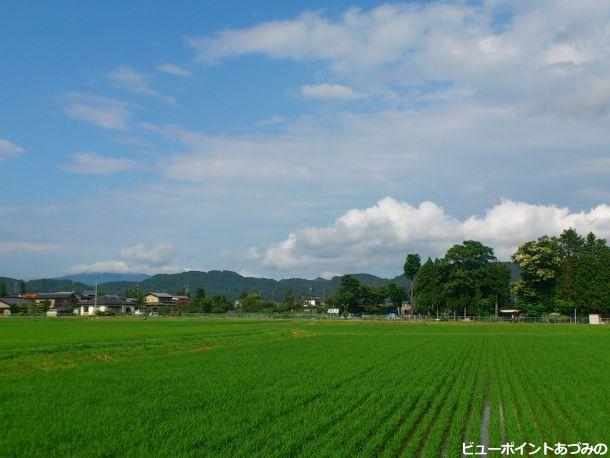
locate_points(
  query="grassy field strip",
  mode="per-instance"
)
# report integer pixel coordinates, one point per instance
(33, 332)
(432, 440)
(351, 432)
(61, 357)
(409, 421)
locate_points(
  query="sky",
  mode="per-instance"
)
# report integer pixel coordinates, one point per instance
(285, 139)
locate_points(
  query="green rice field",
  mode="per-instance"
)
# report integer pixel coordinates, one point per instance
(188, 387)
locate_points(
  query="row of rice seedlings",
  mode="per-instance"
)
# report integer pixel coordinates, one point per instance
(295, 390)
(409, 424)
(513, 412)
(472, 431)
(401, 401)
(368, 420)
(497, 420)
(557, 427)
(369, 389)
(434, 435)
(287, 433)
(572, 403)
(535, 429)
(457, 428)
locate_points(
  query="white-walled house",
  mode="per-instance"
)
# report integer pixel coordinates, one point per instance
(106, 303)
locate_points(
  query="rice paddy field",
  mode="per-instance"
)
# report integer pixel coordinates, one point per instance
(187, 387)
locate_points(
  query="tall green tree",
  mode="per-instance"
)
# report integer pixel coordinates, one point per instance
(467, 264)
(349, 294)
(396, 294)
(540, 262)
(3, 292)
(592, 277)
(289, 299)
(497, 285)
(570, 246)
(410, 268)
(429, 286)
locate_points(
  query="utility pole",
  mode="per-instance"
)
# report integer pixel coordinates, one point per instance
(95, 297)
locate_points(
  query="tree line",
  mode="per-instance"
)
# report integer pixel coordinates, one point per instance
(557, 274)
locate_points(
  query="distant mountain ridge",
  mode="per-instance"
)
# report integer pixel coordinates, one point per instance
(103, 277)
(214, 282)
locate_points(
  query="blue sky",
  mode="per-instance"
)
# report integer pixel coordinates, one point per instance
(295, 139)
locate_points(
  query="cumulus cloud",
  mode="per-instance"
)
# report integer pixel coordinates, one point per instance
(329, 91)
(92, 163)
(174, 69)
(127, 78)
(8, 149)
(136, 259)
(102, 112)
(379, 236)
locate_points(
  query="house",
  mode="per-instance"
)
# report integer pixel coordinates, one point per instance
(156, 299)
(107, 303)
(405, 308)
(181, 300)
(313, 303)
(59, 301)
(7, 302)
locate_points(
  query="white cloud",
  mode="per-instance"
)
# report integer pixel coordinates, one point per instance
(20, 246)
(379, 236)
(157, 255)
(8, 149)
(136, 259)
(329, 91)
(541, 51)
(92, 163)
(138, 83)
(174, 69)
(270, 121)
(100, 111)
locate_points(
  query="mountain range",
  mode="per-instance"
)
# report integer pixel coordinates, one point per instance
(214, 282)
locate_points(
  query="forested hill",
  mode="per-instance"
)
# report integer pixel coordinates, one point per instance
(214, 282)
(233, 285)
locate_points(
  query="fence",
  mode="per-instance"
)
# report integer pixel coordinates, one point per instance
(324, 316)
